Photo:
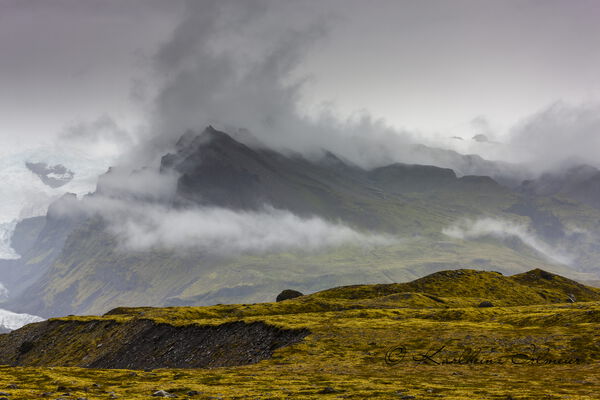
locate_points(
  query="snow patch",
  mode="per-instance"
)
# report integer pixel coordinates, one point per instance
(10, 320)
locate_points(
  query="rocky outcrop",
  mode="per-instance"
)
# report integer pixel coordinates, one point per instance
(54, 176)
(288, 294)
(143, 344)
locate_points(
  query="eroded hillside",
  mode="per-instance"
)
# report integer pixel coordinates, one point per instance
(430, 338)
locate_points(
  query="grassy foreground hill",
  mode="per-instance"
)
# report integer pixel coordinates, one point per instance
(427, 339)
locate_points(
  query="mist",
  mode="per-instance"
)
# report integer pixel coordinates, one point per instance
(505, 229)
(145, 226)
(234, 65)
(558, 136)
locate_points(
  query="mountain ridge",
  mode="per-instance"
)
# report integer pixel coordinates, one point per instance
(86, 271)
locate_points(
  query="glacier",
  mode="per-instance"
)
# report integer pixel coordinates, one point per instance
(24, 195)
(11, 321)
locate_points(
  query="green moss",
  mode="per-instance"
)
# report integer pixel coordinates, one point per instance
(352, 329)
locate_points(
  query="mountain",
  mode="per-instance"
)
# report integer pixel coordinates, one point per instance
(441, 336)
(39, 241)
(23, 192)
(10, 320)
(580, 182)
(77, 263)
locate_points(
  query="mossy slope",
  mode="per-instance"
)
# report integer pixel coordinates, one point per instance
(548, 350)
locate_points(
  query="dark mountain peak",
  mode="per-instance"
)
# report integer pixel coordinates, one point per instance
(192, 147)
(211, 133)
(217, 169)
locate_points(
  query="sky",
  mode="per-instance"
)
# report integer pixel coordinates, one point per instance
(424, 69)
(99, 83)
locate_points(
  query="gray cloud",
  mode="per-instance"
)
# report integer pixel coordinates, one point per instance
(557, 136)
(234, 65)
(141, 226)
(99, 138)
(503, 229)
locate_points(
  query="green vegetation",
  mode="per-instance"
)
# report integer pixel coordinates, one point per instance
(73, 266)
(352, 330)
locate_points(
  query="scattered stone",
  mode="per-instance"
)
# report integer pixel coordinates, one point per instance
(4, 394)
(4, 398)
(485, 303)
(328, 390)
(82, 398)
(288, 294)
(13, 386)
(193, 393)
(407, 397)
(162, 393)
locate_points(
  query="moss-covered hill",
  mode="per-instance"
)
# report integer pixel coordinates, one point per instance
(426, 339)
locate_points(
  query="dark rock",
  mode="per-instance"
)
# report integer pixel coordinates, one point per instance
(485, 303)
(288, 294)
(54, 176)
(328, 390)
(12, 386)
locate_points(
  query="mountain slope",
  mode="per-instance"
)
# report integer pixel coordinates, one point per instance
(139, 337)
(89, 271)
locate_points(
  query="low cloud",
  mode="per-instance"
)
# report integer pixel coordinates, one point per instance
(142, 226)
(504, 229)
(558, 136)
(99, 138)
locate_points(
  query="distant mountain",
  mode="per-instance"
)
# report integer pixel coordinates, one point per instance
(76, 265)
(10, 321)
(23, 192)
(581, 182)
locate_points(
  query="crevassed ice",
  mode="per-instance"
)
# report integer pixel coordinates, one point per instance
(11, 320)
(24, 195)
